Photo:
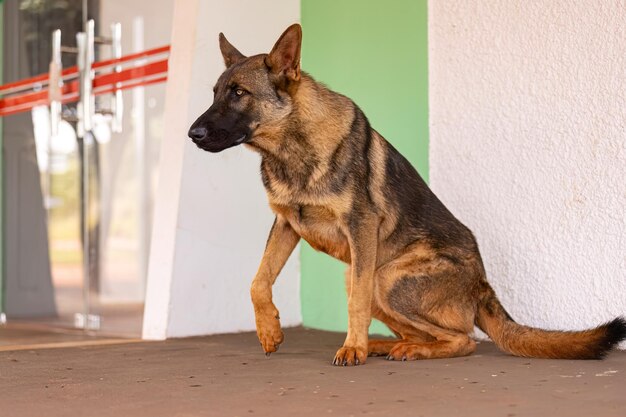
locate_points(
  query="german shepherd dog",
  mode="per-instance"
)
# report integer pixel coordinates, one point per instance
(334, 181)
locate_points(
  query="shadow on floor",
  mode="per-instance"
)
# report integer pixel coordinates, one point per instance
(30, 336)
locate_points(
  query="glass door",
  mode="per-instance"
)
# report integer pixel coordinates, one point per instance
(44, 173)
(41, 236)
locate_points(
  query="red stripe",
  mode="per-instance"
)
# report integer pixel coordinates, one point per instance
(148, 74)
(72, 95)
(133, 84)
(131, 57)
(25, 102)
(97, 65)
(130, 73)
(38, 79)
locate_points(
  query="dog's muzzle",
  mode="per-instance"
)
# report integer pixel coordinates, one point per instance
(215, 140)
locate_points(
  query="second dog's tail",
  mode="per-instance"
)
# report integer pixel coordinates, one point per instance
(530, 342)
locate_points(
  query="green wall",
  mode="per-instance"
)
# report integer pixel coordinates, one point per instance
(375, 52)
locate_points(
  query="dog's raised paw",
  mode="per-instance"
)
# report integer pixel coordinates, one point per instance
(270, 338)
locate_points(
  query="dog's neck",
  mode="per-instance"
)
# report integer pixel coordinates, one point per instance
(315, 126)
(297, 154)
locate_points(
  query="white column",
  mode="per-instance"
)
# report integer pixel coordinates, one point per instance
(211, 216)
(527, 147)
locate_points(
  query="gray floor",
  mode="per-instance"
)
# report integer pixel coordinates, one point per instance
(229, 376)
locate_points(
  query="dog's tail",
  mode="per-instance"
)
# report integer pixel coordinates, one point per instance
(526, 341)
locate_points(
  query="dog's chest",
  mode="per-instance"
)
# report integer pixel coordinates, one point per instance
(319, 226)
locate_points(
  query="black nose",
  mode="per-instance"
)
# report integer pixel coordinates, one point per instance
(197, 133)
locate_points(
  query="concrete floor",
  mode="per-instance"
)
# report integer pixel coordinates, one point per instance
(228, 375)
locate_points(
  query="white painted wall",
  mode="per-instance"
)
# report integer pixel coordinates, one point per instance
(211, 216)
(528, 148)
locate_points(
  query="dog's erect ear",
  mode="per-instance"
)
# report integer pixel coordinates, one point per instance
(230, 53)
(285, 55)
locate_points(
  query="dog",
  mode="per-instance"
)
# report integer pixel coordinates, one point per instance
(334, 181)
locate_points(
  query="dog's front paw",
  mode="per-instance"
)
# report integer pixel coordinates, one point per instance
(270, 334)
(350, 356)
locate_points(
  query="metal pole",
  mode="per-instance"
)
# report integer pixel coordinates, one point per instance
(81, 42)
(88, 99)
(85, 14)
(86, 107)
(55, 82)
(117, 104)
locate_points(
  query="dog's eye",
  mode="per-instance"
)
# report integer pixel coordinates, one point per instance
(239, 92)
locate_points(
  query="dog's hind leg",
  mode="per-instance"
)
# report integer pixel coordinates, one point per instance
(381, 347)
(459, 345)
(403, 332)
(425, 340)
(430, 295)
(416, 343)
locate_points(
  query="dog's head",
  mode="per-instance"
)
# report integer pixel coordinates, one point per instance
(253, 95)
